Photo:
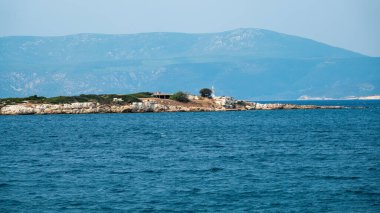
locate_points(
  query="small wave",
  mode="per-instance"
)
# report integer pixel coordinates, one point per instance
(213, 146)
(188, 191)
(330, 177)
(4, 185)
(229, 157)
(118, 190)
(363, 192)
(97, 135)
(11, 202)
(149, 171)
(120, 172)
(215, 169)
(73, 171)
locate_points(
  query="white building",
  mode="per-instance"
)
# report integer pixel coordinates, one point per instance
(117, 100)
(192, 97)
(225, 101)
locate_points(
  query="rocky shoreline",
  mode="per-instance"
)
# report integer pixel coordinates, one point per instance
(144, 106)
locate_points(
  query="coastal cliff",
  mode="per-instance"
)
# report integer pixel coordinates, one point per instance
(146, 105)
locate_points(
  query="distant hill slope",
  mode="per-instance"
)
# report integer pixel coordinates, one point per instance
(246, 63)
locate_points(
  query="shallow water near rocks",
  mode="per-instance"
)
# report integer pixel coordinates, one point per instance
(285, 160)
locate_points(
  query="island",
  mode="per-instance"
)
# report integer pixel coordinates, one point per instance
(137, 103)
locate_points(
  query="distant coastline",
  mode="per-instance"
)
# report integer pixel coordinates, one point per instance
(323, 98)
(136, 103)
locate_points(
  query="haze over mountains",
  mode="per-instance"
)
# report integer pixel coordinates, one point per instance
(251, 64)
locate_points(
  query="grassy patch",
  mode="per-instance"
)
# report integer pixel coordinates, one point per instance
(103, 99)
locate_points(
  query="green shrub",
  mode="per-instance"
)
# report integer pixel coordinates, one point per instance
(35, 98)
(130, 99)
(102, 99)
(63, 100)
(180, 97)
(31, 99)
(7, 101)
(142, 95)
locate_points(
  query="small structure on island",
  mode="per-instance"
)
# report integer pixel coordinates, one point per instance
(213, 94)
(192, 97)
(161, 95)
(117, 100)
(225, 101)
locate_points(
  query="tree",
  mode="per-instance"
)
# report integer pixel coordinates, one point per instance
(35, 98)
(180, 96)
(206, 92)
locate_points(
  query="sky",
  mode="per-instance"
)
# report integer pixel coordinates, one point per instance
(349, 24)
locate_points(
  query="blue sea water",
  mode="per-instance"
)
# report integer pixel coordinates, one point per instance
(285, 160)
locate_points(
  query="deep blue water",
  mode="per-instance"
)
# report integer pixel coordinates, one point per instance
(295, 160)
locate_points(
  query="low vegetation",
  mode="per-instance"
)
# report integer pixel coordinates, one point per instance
(180, 97)
(103, 99)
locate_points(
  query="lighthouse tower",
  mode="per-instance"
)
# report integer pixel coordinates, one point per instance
(213, 92)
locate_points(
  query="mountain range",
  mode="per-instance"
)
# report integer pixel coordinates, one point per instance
(251, 64)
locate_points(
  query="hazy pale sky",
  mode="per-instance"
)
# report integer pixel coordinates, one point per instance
(350, 24)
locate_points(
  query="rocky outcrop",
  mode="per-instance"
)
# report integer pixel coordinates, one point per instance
(160, 107)
(74, 108)
(90, 107)
(145, 106)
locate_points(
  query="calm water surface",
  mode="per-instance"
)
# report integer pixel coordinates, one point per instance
(296, 160)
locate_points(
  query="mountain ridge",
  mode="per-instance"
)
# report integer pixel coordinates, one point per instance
(245, 63)
(186, 33)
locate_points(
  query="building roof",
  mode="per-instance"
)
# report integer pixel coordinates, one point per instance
(160, 93)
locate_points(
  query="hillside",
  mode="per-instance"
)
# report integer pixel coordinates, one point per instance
(245, 63)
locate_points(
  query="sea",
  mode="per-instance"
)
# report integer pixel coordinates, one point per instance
(235, 161)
